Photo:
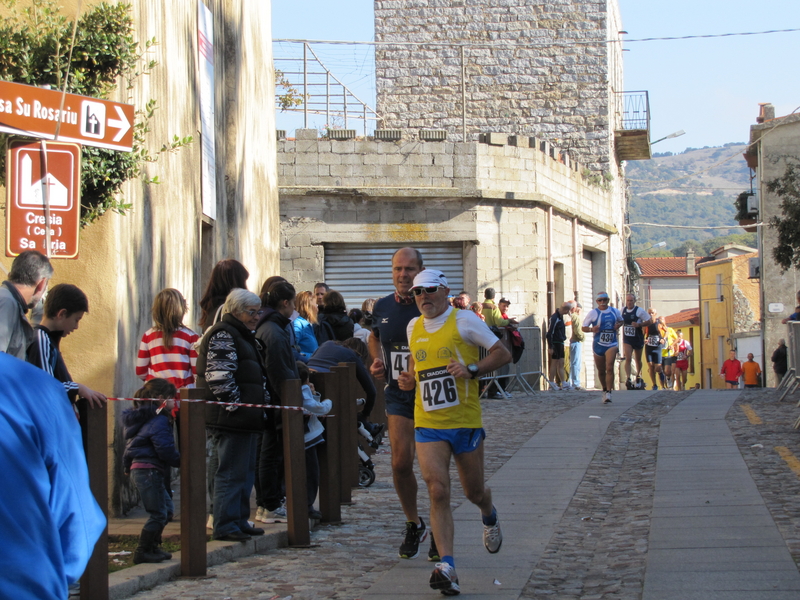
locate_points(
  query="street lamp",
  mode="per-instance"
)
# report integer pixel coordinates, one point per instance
(650, 247)
(670, 136)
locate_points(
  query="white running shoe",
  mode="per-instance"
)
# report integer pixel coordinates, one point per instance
(493, 536)
(607, 399)
(444, 579)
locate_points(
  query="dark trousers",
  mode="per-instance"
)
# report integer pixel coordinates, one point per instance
(233, 480)
(269, 471)
(150, 485)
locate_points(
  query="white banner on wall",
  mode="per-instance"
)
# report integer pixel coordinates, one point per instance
(205, 62)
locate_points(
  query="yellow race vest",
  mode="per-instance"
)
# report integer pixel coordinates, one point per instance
(443, 401)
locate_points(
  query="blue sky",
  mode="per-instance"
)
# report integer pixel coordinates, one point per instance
(708, 87)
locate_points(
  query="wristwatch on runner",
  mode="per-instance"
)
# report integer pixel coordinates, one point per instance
(473, 370)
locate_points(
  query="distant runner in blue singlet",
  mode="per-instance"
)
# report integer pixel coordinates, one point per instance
(603, 322)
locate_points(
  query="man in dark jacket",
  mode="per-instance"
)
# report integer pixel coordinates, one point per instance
(556, 336)
(780, 361)
(27, 283)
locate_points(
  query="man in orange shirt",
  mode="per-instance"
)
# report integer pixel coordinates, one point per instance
(751, 373)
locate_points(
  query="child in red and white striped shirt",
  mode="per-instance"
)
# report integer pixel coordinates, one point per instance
(167, 349)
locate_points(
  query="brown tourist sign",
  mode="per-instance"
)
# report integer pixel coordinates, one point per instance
(36, 112)
(27, 223)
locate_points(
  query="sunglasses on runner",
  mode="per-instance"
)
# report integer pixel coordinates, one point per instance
(428, 290)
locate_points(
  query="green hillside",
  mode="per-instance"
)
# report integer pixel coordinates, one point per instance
(694, 188)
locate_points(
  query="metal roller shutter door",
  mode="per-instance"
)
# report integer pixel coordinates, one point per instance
(361, 271)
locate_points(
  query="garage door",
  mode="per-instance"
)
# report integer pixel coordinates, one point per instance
(361, 271)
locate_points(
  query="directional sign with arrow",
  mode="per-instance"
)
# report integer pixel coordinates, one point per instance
(36, 112)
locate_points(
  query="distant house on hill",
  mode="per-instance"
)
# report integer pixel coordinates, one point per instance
(668, 284)
(688, 321)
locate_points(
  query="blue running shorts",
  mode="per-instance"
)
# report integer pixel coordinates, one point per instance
(461, 440)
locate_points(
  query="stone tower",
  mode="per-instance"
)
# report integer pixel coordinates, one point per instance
(531, 67)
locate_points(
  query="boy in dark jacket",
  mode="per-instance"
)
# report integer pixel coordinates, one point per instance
(149, 451)
(64, 307)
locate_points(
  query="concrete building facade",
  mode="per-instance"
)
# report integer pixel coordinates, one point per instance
(518, 217)
(165, 240)
(775, 144)
(521, 189)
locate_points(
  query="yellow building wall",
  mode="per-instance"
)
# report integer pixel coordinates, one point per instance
(720, 319)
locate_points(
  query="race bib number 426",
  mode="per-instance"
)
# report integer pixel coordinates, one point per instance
(438, 389)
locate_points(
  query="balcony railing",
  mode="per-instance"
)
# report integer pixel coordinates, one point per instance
(633, 110)
(321, 93)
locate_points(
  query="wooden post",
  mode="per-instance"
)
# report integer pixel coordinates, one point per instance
(193, 484)
(341, 405)
(327, 384)
(94, 582)
(294, 459)
(349, 429)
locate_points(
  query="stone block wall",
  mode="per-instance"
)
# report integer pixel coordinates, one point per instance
(493, 198)
(532, 67)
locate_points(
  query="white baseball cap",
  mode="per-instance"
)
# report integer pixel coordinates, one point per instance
(429, 278)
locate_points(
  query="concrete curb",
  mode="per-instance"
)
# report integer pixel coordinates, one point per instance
(127, 582)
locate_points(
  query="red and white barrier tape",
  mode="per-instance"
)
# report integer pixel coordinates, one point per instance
(207, 402)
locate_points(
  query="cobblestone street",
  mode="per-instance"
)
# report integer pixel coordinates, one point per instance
(599, 548)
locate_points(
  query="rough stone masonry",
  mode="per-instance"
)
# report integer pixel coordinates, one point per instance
(548, 68)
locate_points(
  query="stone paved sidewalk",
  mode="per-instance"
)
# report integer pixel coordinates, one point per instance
(597, 551)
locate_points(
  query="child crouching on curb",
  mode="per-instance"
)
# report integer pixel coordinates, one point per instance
(149, 452)
(313, 435)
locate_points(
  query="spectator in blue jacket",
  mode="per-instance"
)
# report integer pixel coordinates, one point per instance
(49, 519)
(303, 324)
(149, 451)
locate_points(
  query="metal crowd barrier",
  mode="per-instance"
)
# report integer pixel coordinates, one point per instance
(514, 375)
(338, 470)
(791, 381)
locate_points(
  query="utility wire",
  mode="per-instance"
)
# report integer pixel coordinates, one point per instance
(549, 43)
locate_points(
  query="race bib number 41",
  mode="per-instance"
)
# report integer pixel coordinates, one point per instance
(399, 357)
(438, 389)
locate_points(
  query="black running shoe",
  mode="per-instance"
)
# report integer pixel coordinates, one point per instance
(433, 551)
(414, 537)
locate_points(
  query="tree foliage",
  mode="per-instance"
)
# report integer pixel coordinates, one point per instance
(787, 187)
(34, 50)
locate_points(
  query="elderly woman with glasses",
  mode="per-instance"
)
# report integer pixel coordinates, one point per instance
(604, 321)
(230, 368)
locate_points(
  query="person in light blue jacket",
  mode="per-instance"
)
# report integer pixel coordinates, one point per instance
(49, 519)
(303, 325)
